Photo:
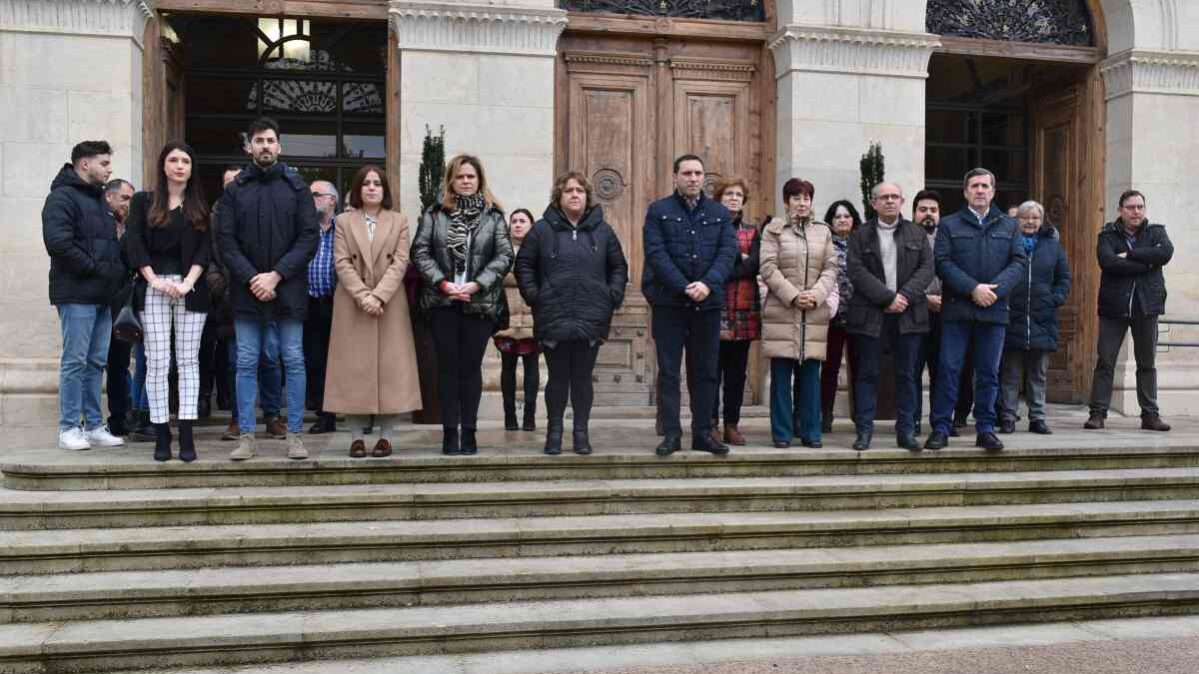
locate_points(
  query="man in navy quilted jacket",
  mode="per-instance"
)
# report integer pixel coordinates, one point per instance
(690, 247)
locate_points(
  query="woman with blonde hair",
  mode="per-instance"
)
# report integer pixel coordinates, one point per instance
(372, 356)
(463, 253)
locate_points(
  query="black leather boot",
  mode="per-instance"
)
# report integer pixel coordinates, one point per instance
(553, 437)
(449, 441)
(162, 442)
(530, 423)
(187, 444)
(469, 445)
(582, 440)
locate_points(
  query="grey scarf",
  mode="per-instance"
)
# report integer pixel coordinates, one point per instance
(464, 220)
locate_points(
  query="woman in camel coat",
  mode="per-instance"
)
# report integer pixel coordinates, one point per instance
(799, 266)
(372, 358)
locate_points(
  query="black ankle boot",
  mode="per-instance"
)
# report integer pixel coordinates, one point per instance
(582, 442)
(530, 416)
(553, 437)
(187, 444)
(449, 441)
(162, 442)
(510, 423)
(469, 446)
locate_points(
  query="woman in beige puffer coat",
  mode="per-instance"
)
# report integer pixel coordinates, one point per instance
(799, 268)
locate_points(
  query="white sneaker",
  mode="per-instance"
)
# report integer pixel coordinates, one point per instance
(100, 437)
(73, 439)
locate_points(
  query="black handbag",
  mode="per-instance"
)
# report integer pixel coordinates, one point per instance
(127, 327)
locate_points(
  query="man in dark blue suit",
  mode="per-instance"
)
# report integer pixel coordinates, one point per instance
(690, 247)
(980, 258)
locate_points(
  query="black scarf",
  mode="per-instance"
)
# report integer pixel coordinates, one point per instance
(464, 220)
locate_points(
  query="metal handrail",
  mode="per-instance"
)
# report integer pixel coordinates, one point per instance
(1176, 321)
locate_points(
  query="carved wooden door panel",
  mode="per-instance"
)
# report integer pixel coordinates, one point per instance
(609, 118)
(1059, 165)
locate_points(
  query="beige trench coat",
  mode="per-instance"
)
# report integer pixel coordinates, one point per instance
(795, 259)
(372, 361)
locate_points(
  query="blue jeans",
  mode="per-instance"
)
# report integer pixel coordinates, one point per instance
(141, 402)
(984, 343)
(270, 375)
(86, 331)
(252, 338)
(905, 350)
(799, 414)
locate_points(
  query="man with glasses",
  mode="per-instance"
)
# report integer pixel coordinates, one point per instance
(890, 265)
(322, 280)
(1132, 295)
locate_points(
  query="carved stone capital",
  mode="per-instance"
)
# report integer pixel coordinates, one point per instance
(852, 50)
(1151, 72)
(118, 18)
(432, 25)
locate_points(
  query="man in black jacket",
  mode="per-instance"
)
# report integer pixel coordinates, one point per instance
(268, 233)
(689, 246)
(1132, 295)
(890, 265)
(86, 272)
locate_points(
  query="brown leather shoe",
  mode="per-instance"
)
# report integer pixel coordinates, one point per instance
(733, 436)
(357, 449)
(232, 432)
(276, 428)
(382, 448)
(715, 433)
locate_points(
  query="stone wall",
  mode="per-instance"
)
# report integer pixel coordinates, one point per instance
(70, 70)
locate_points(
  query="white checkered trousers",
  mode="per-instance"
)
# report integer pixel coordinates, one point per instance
(161, 311)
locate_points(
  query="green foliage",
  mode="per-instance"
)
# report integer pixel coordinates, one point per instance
(432, 167)
(873, 170)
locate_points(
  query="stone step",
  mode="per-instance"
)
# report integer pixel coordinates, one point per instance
(29, 510)
(112, 549)
(143, 594)
(131, 467)
(103, 645)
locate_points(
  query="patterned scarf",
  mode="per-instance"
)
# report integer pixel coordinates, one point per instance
(464, 220)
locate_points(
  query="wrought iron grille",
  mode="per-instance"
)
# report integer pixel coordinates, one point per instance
(727, 10)
(1064, 22)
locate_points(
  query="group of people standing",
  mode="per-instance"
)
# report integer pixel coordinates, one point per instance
(978, 287)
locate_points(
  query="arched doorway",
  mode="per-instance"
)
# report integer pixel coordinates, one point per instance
(637, 85)
(1017, 89)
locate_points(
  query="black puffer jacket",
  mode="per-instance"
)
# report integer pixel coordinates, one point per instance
(871, 296)
(489, 262)
(1135, 279)
(86, 266)
(1037, 297)
(267, 222)
(573, 278)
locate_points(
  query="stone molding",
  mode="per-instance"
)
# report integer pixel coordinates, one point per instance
(116, 18)
(852, 50)
(476, 28)
(1151, 72)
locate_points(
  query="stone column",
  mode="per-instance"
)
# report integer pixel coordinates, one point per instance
(484, 71)
(841, 88)
(70, 70)
(1152, 102)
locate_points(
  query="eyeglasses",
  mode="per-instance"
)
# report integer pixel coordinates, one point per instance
(323, 194)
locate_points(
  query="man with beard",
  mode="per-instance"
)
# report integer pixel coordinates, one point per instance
(268, 233)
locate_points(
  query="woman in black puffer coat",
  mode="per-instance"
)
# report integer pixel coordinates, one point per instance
(1032, 331)
(572, 272)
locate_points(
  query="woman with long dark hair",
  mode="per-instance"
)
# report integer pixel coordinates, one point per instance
(843, 218)
(517, 342)
(167, 242)
(463, 253)
(573, 273)
(372, 357)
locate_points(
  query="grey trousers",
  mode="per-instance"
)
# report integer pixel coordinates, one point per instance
(1027, 368)
(1144, 349)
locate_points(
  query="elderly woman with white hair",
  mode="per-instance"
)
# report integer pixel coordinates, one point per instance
(1032, 332)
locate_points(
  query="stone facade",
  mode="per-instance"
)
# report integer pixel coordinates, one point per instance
(847, 72)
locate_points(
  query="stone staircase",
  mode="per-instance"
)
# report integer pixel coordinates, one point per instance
(109, 562)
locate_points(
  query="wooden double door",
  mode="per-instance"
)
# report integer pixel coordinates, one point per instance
(626, 107)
